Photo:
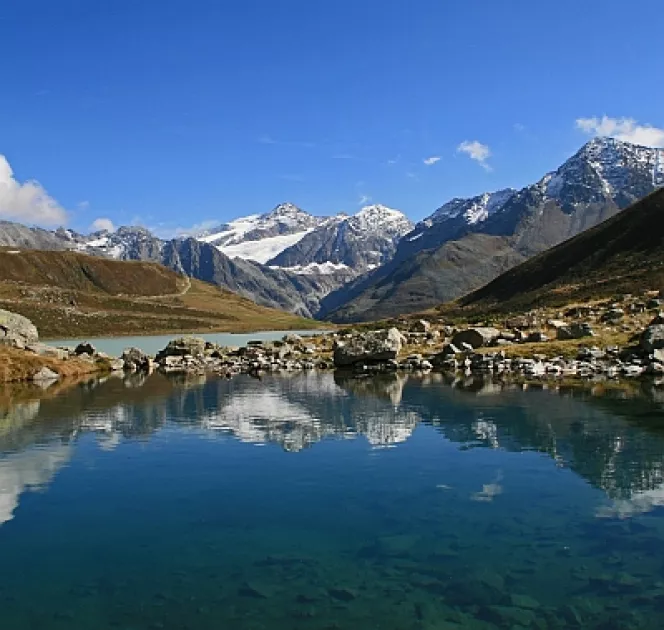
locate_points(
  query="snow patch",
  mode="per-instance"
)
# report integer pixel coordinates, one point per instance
(265, 249)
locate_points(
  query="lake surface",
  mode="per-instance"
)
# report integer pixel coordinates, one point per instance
(114, 346)
(315, 501)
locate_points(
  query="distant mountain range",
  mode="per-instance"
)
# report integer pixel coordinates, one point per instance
(468, 242)
(377, 263)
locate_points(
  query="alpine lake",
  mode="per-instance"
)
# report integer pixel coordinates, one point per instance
(322, 501)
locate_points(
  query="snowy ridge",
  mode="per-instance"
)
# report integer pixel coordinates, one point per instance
(473, 210)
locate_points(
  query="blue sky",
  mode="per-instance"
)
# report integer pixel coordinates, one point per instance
(173, 113)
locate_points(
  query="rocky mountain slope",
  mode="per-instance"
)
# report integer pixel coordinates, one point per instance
(622, 255)
(469, 242)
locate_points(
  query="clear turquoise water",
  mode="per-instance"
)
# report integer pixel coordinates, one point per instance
(308, 502)
(152, 344)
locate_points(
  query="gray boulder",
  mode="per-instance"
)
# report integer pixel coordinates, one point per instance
(17, 331)
(653, 337)
(476, 337)
(45, 374)
(44, 350)
(370, 347)
(574, 331)
(135, 360)
(183, 346)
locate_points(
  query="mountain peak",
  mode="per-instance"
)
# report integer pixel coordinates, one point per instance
(475, 209)
(286, 209)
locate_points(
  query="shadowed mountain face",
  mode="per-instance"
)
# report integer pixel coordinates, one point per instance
(469, 242)
(625, 253)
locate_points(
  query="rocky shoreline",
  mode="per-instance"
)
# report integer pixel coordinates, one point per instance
(519, 347)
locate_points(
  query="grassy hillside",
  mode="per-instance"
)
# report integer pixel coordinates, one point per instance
(74, 295)
(622, 255)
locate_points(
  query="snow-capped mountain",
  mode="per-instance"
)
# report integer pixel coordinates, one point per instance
(261, 237)
(355, 244)
(468, 242)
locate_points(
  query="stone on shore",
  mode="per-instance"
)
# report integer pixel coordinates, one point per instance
(653, 338)
(45, 374)
(135, 360)
(183, 346)
(17, 331)
(370, 347)
(476, 337)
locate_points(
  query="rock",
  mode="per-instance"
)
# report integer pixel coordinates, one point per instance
(116, 365)
(45, 374)
(658, 355)
(371, 347)
(613, 315)
(85, 348)
(134, 359)
(183, 346)
(292, 339)
(519, 322)
(421, 326)
(48, 351)
(17, 331)
(476, 337)
(342, 594)
(574, 331)
(653, 337)
(536, 337)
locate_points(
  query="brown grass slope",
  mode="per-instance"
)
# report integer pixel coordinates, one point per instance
(625, 254)
(84, 273)
(74, 295)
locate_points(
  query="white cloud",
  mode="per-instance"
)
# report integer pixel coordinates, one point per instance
(626, 129)
(102, 223)
(519, 127)
(476, 151)
(83, 205)
(430, 161)
(364, 199)
(27, 202)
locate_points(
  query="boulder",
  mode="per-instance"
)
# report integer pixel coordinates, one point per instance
(48, 351)
(574, 331)
(136, 360)
(653, 338)
(476, 337)
(85, 348)
(370, 347)
(421, 326)
(17, 331)
(292, 339)
(45, 374)
(116, 365)
(183, 346)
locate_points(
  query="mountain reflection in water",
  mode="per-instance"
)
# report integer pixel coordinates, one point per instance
(614, 439)
(399, 502)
